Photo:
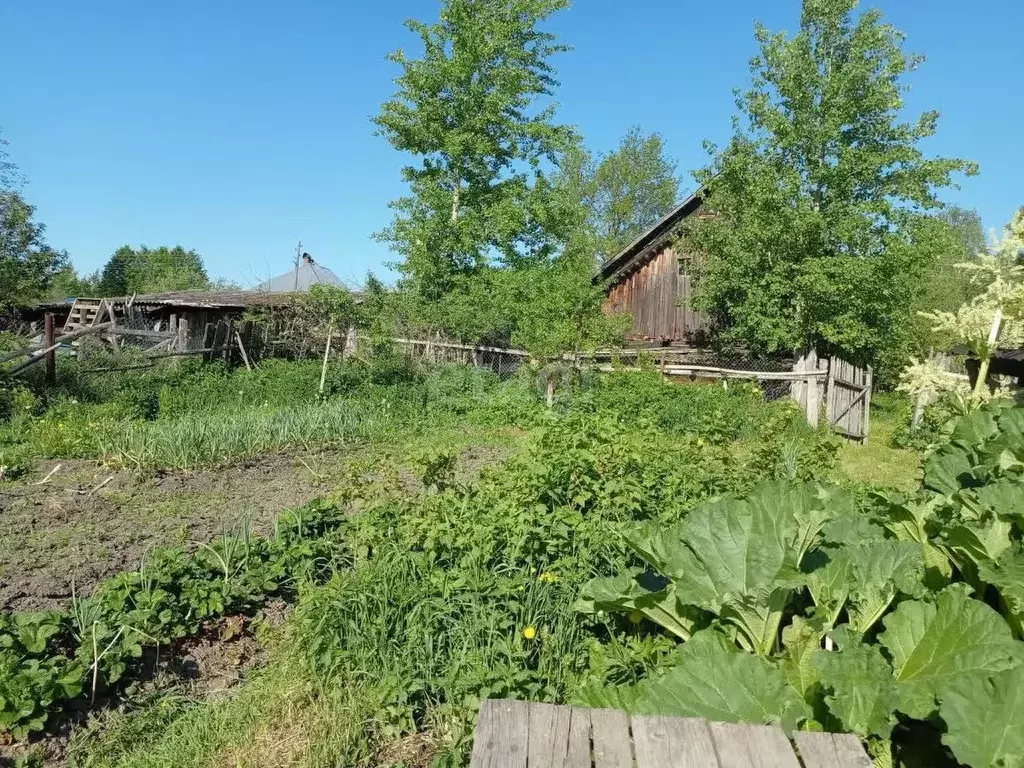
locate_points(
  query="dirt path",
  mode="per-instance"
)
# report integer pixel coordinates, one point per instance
(88, 522)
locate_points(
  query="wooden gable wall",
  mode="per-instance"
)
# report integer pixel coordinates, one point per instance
(657, 295)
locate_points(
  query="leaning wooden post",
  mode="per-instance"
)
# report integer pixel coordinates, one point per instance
(327, 352)
(51, 355)
(867, 405)
(813, 394)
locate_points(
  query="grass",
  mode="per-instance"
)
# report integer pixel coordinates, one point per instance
(877, 462)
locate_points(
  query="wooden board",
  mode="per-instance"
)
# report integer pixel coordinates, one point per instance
(501, 734)
(752, 746)
(609, 730)
(681, 742)
(515, 734)
(831, 750)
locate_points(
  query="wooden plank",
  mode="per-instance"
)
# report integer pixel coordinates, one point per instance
(578, 753)
(866, 420)
(752, 746)
(548, 735)
(831, 750)
(679, 742)
(610, 734)
(501, 735)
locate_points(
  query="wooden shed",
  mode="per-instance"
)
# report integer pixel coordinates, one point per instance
(651, 280)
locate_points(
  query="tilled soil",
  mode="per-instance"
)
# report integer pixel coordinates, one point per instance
(88, 522)
(85, 522)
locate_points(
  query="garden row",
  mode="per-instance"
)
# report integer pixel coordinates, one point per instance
(619, 565)
(484, 561)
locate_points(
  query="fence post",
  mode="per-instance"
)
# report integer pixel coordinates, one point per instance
(813, 391)
(867, 405)
(51, 354)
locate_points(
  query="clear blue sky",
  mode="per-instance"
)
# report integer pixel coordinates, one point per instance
(236, 128)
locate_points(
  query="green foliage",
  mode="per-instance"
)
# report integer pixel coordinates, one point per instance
(27, 263)
(817, 235)
(905, 593)
(474, 116)
(623, 193)
(152, 270)
(47, 659)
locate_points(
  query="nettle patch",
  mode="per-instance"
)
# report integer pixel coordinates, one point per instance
(898, 618)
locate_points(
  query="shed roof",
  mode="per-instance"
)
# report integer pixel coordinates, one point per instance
(189, 299)
(646, 247)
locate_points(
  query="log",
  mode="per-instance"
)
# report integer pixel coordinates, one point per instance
(56, 342)
(41, 354)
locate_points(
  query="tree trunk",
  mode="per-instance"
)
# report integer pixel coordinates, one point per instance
(455, 200)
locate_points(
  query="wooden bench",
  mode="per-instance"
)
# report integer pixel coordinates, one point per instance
(519, 734)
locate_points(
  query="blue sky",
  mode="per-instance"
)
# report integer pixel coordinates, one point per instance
(236, 128)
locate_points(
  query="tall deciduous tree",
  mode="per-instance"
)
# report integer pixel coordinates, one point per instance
(152, 270)
(969, 230)
(27, 263)
(820, 192)
(474, 109)
(633, 188)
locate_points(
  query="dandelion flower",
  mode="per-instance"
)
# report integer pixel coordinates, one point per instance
(548, 578)
(530, 632)
(636, 617)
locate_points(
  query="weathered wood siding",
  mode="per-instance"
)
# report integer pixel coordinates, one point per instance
(657, 295)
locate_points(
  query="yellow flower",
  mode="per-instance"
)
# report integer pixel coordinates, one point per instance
(530, 632)
(636, 617)
(549, 578)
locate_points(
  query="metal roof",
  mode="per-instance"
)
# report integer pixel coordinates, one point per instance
(300, 279)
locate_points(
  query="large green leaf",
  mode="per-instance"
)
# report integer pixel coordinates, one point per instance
(1007, 576)
(950, 468)
(976, 427)
(651, 597)
(879, 572)
(830, 587)
(953, 641)
(738, 559)
(985, 720)
(1004, 498)
(863, 692)
(714, 682)
(976, 543)
(802, 641)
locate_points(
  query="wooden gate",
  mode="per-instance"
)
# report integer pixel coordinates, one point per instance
(848, 399)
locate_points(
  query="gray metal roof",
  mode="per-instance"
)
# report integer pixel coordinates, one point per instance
(309, 273)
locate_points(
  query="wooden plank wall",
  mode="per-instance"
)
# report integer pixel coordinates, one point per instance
(657, 297)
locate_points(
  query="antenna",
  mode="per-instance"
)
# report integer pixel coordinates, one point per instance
(298, 260)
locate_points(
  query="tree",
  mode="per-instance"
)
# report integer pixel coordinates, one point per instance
(634, 187)
(27, 263)
(994, 318)
(472, 110)
(152, 270)
(67, 283)
(967, 225)
(819, 196)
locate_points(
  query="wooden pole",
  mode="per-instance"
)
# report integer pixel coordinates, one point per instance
(245, 357)
(327, 352)
(51, 355)
(41, 354)
(84, 331)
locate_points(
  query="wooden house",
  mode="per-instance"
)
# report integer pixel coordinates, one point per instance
(651, 280)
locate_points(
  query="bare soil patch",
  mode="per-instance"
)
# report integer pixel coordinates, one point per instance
(88, 522)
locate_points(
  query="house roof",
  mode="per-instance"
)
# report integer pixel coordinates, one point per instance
(648, 244)
(188, 299)
(300, 279)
